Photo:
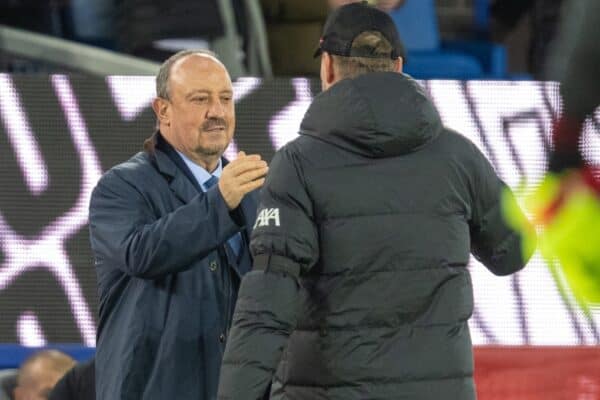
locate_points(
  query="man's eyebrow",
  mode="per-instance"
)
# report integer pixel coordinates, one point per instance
(204, 91)
(197, 91)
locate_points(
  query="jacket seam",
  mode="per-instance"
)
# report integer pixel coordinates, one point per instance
(380, 382)
(409, 324)
(390, 270)
(411, 212)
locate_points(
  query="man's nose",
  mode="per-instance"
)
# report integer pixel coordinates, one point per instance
(216, 109)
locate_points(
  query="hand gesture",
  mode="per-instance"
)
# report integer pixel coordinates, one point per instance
(240, 177)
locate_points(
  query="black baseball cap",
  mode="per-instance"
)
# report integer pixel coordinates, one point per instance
(345, 23)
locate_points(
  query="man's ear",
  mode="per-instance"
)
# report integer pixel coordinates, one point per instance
(161, 109)
(398, 64)
(329, 70)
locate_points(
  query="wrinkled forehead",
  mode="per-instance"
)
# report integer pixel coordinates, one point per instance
(199, 72)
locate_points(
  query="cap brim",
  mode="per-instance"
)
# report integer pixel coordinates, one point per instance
(318, 52)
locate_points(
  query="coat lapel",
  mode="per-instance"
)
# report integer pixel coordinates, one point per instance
(179, 184)
(166, 159)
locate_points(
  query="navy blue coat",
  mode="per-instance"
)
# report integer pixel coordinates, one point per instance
(166, 283)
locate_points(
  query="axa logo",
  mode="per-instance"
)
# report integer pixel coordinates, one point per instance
(265, 216)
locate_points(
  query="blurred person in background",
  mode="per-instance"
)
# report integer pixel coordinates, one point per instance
(8, 382)
(544, 18)
(39, 373)
(360, 287)
(41, 16)
(567, 203)
(94, 22)
(385, 5)
(169, 231)
(578, 71)
(157, 29)
(294, 26)
(79, 383)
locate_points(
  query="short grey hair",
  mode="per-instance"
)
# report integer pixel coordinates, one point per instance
(162, 78)
(351, 67)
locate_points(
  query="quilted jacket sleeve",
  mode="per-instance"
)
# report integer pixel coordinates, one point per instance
(284, 245)
(497, 245)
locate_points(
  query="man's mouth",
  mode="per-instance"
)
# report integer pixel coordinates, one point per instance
(215, 129)
(214, 125)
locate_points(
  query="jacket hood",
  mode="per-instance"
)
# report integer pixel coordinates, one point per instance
(381, 114)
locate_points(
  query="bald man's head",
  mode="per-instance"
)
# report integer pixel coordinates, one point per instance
(194, 106)
(40, 372)
(164, 73)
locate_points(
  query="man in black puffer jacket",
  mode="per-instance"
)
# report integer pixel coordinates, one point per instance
(360, 288)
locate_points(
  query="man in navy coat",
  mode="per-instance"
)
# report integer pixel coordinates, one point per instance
(169, 230)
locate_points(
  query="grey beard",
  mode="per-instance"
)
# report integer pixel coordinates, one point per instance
(210, 151)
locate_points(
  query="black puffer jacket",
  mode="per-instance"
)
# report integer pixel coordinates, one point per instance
(377, 206)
